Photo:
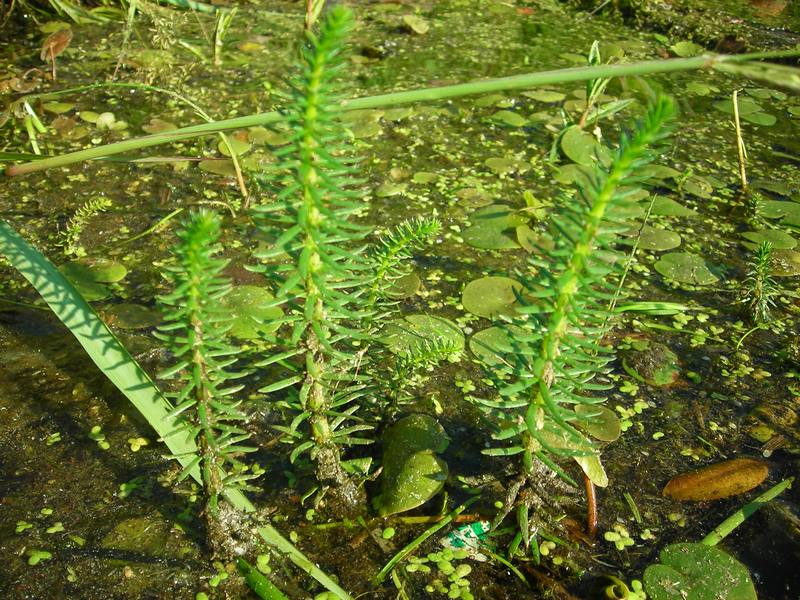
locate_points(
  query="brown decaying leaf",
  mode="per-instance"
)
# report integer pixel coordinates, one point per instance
(55, 43)
(721, 480)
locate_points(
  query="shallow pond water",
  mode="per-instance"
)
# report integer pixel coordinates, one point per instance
(83, 478)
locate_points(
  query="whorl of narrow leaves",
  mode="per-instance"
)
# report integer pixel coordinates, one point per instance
(195, 332)
(564, 310)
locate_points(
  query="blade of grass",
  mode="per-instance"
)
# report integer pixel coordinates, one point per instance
(525, 81)
(104, 349)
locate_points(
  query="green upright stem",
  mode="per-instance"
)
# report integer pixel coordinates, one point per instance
(525, 81)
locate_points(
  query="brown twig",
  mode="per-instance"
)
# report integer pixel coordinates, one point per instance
(591, 508)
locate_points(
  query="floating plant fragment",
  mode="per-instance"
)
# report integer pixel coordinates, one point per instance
(222, 167)
(504, 165)
(546, 96)
(598, 421)
(493, 345)
(250, 319)
(412, 471)
(652, 363)
(89, 276)
(787, 211)
(780, 240)
(509, 117)
(583, 148)
(490, 297)
(685, 49)
(685, 267)
(404, 287)
(238, 146)
(415, 331)
(697, 572)
(657, 240)
(667, 207)
(494, 227)
(785, 263)
(156, 125)
(416, 24)
(721, 480)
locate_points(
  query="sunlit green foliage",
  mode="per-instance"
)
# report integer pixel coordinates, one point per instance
(195, 331)
(564, 313)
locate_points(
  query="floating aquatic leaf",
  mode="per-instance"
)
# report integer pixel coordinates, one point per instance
(412, 473)
(362, 130)
(510, 118)
(658, 240)
(102, 270)
(667, 207)
(658, 172)
(490, 100)
(494, 346)
(720, 480)
(490, 297)
(785, 263)
(132, 316)
(780, 240)
(157, 125)
(413, 331)
(474, 197)
(582, 147)
(250, 320)
(424, 177)
(503, 165)
(218, 167)
(390, 188)
(787, 211)
(698, 186)
(404, 287)
(398, 114)
(574, 174)
(685, 49)
(493, 227)
(697, 572)
(652, 363)
(598, 421)
(685, 268)
(547, 96)
(58, 108)
(593, 469)
(238, 145)
(760, 118)
(416, 24)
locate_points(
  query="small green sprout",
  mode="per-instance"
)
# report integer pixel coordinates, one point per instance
(35, 556)
(53, 438)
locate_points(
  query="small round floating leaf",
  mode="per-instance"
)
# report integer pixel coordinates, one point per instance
(245, 304)
(780, 240)
(582, 148)
(697, 572)
(424, 177)
(494, 346)
(238, 146)
(667, 207)
(698, 186)
(103, 270)
(685, 49)
(510, 118)
(416, 24)
(413, 331)
(133, 316)
(398, 114)
(58, 108)
(785, 263)
(598, 421)
(490, 297)
(362, 130)
(780, 209)
(390, 188)
(684, 267)
(404, 287)
(420, 478)
(218, 167)
(593, 469)
(658, 240)
(503, 165)
(760, 118)
(157, 125)
(493, 227)
(746, 106)
(720, 480)
(547, 96)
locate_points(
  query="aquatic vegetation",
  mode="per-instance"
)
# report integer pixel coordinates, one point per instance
(72, 232)
(195, 330)
(564, 313)
(759, 289)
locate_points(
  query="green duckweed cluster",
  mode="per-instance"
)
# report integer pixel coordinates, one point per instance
(450, 576)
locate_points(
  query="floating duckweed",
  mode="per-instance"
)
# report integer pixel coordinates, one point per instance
(57, 527)
(36, 556)
(388, 533)
(22, 526)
